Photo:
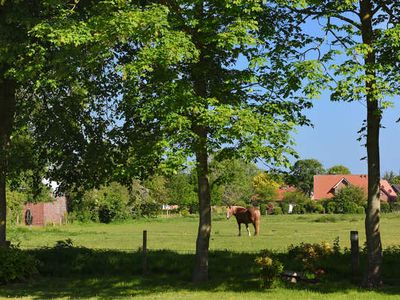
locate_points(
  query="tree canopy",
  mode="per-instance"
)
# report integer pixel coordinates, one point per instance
(338, 169)
(302, 174)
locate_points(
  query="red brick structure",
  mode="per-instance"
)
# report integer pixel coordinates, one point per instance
(47, 212)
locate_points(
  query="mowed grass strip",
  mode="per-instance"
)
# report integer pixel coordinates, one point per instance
(179, 233)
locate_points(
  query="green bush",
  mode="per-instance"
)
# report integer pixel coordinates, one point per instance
(285, 207)
(295, 197)
(277, 210)
(319, 208)
(309, 256)
(263, 209)
(350, 208)
(184, 212)
(270, 269)
(348, 199)
(330, 207)
(385, 207)
(312, 206)
(299, 209)
(395, 206)
(360, 210)
(16, 265)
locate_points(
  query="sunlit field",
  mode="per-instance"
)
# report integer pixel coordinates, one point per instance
(179, 233)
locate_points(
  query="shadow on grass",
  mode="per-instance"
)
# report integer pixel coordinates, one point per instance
(83, 273)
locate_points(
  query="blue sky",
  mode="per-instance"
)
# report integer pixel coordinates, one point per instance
(333, 140)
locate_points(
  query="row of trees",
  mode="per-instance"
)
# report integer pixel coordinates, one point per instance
(111, 90)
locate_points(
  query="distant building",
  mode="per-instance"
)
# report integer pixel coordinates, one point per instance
(46, 212)
(325, 186)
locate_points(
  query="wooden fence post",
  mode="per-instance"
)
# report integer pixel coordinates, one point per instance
(355, 255)
(144, 253)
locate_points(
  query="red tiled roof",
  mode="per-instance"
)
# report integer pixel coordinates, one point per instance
(388, 190)
(324, 185)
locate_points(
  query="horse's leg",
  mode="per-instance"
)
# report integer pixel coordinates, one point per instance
(239, 229)
(256, 225)
(248, 230)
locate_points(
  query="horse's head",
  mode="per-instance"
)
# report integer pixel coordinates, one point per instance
(229, 212)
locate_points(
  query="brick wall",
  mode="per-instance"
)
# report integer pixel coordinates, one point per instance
(49, 212)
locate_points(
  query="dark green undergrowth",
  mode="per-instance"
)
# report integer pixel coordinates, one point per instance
(75, 272)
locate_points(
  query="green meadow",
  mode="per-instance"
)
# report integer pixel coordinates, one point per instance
(105, 261)
(179, 233)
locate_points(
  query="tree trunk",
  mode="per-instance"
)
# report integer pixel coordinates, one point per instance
(200, 273)
(372, 278)
(7, 110)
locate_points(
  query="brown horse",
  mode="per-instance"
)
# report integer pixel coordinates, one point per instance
(246, 216)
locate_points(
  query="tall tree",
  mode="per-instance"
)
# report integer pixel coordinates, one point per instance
(59, 79)
(227, 101)
(302, 174)
(359, 49)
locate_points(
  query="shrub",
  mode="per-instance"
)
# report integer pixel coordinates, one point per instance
(285, 207)
(319, 208)
(263, 209)
(16, 265)
(299, 209)
(184, 212)
(270, 269)
(308, 256)
(385, 207)
(295, 197)
(313, 207)
(277, 210)
(360, 210)
(349, 198)
(330, 207)
(395, 206)
(350, 208)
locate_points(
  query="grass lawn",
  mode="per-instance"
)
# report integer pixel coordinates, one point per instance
(114, 271)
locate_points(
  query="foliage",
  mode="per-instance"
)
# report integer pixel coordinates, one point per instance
(338, 170)
(308, 256)
(302, 174)
(106, 204)
(278, 210)
(15, 201)
(329, 205)
(312, 206)
(58, 66)
(181, 190)
(270, 268)
(265, 186)
(385, 207)
(263, 209)
(230, 181)
(299, 208)
(348, 199)
(284, 206)
(392, 177)
(16, 265)
(295, 197)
